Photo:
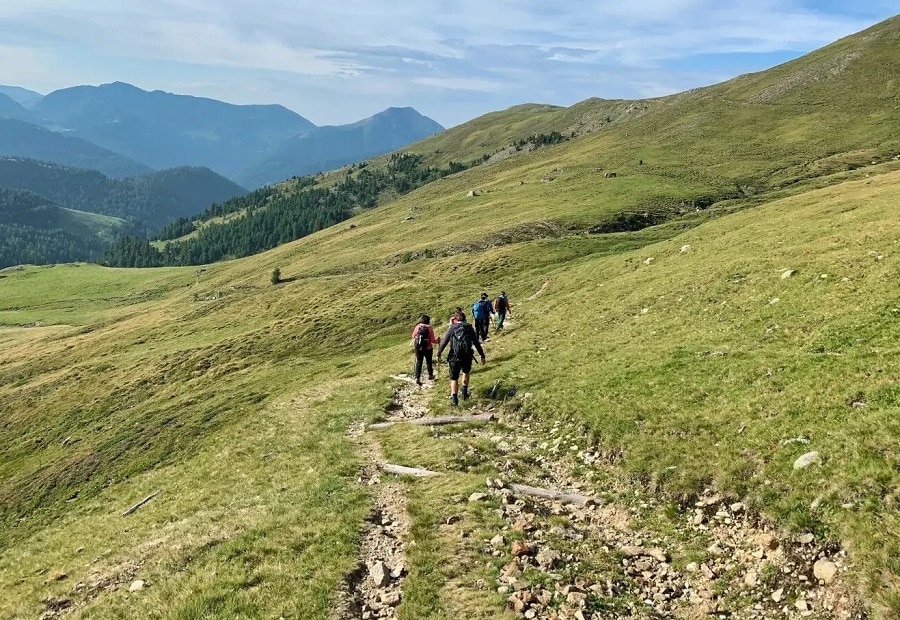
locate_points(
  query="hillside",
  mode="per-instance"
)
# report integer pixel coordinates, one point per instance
(23, 96)
(680, 335)
(21, 139)
(326, 148)
(10, 108)
(148, 202)
(34, 230)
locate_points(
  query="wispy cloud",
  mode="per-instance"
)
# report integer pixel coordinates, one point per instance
(339, 61)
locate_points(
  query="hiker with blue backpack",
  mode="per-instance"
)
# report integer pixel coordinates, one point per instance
(481, 312)
(502, 308)
(462, 338)
(423, 343)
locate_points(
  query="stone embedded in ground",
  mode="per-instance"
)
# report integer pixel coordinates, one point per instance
(498, 541)
(516, 604)
(391, 599)
(806, 460)
(137, 585)
(825, 571)
(787, 274)
(806, 538)
(520, 548)
(768, 541)
(398, 571)
(477, 497)
(778, 595)
(58, 576)
(548, 559)
(379, 574)
(751, 578)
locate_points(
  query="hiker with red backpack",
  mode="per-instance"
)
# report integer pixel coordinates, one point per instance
(423, 343)
(502, 308)
(462, 338)
(481, 312)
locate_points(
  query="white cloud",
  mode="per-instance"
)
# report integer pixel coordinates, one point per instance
(325, 55)
(473, 84)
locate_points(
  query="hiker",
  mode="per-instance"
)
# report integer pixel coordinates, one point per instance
(502, 308)
(423, 342)
(482, 311)
(461, 337)
(453, 315)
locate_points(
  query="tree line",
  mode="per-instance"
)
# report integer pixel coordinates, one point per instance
(271, 216)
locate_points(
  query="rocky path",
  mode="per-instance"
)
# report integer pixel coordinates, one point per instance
(625, 554)
(375, 588)
(622, 553)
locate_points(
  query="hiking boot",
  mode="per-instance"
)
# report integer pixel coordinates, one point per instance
(454, 400)
(431, 378)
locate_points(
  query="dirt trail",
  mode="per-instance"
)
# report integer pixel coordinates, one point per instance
(375, 588)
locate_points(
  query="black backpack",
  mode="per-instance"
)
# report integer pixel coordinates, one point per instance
(501, 304)
(461, 341)
(422, 338)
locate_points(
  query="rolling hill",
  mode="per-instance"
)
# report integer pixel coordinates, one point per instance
(35, 231)
(148, 202)
(682, 334)
(21, 139)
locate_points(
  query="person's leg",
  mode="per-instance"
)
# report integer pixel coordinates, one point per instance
(454, 383)
(501, 316)
(420, 355)
(429, 360)
(466, 371)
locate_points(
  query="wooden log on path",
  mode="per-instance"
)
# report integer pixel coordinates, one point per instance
(400, 470)
(571, 498)
(141, 503)
(437, 421)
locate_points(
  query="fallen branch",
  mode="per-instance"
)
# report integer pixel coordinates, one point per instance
(571, 498)
(141, 503)
(449, 419)
(400, 470)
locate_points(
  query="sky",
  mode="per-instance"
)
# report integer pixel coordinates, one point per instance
(340, 61)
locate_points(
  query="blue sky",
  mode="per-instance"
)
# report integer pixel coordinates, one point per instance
(340, 61)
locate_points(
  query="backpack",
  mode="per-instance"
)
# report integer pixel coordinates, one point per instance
(461, 341)
(477, 311)
(500, 304)
(486, 307)
(422, 339)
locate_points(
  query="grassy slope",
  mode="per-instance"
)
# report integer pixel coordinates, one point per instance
(157, 379)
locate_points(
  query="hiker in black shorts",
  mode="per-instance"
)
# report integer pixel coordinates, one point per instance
(461, 337)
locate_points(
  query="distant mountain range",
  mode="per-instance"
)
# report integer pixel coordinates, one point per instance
(330, 147)
(251, 144)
